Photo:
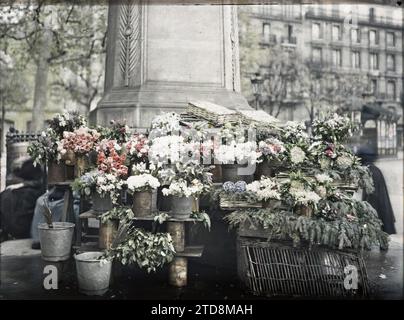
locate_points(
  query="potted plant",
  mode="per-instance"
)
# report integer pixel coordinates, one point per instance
(272, 151)
(187, 182)
(44, 151)
(76, 146)
(236, 154)
(58, 125)
(104, 188)
(141, 186)
(55, 237)
(109, 224)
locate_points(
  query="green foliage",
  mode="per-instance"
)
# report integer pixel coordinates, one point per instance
(44, 148)
(148, 250)
(123, 214)
(357, 226)
(202, 217)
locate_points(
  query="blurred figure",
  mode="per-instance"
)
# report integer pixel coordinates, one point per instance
(17, 201)
(379, 199)
(56, 204)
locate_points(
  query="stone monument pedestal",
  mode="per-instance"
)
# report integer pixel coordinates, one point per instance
(159, 57)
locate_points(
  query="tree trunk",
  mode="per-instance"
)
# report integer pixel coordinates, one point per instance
(41, 82)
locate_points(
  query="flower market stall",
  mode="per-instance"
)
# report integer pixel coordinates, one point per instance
(289, 195)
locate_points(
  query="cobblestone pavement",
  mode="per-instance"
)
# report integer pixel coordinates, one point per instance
(212, 277)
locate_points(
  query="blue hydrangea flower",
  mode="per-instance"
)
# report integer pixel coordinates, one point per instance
(240, 186)
(229, 186)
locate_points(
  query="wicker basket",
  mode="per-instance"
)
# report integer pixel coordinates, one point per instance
(211, 112)
(279, 269)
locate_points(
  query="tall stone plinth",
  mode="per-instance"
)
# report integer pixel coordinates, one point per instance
(159, 57)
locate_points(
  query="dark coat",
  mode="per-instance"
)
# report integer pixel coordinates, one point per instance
(17, 204)
(380, 200)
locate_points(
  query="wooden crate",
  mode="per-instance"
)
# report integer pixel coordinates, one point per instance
(226, 203)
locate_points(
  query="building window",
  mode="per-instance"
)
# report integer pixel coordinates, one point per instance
(371, 14)
(391, 39)
(373, 37)
(316, 31)
(355, 36)
(356, 59)
(373, 86)
(391, 89)
(336, 33)
(266, 32)
(317, 55)
(391, 62)
(374, 61)
(336, 58)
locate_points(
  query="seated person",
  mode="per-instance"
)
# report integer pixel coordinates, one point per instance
(17, 201)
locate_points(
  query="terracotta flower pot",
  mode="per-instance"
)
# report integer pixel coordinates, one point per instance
(142, 204)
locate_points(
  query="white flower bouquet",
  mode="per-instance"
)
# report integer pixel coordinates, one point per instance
(142, 182)
(100, 182)
(241, 153)
(165, 123)
(183, 188)
(264, 189)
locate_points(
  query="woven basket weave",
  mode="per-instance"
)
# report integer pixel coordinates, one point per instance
(279, 269)
(211, 112)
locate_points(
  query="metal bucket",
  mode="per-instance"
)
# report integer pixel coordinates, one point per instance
(93, 275)
(142, 204)
(56, 242)
(230, 172)
(181, 207)
(101, 204)
(59, 172)
(264, 169)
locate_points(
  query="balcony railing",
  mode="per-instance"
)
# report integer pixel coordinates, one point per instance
(289, 40)
(271, 39)
(338, 15)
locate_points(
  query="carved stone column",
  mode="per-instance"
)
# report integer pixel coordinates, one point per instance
(161, 56)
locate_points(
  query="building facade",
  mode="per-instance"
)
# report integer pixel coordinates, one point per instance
(348, 39)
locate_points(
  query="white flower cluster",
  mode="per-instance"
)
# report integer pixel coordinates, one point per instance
(181, 188)
(142, 182)
(264, 189)
(173, 148)
(302, 196)
(106, 183)
(344, 162)
(297, 155)
(237, 153)
(323, 178)
(165, 123)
